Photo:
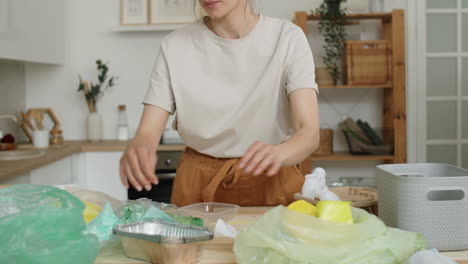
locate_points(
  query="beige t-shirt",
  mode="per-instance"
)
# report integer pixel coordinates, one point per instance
(230, 93)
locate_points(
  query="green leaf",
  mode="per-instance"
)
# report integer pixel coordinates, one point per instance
(81, 87)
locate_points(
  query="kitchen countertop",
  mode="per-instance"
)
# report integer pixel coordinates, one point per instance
(12, 168)
(219, 251)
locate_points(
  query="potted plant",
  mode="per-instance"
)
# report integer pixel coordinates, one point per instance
(93, 92)
(331, 26)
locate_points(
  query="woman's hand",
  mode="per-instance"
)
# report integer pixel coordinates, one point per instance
(260, 158)
(138, 165)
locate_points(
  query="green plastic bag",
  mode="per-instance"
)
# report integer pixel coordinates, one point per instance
(284, 236)
(43, 224)
(102, 225)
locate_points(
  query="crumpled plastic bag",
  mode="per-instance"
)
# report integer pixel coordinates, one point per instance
(285, 236)
(102, 225)
(315, 187)
(42, 225)
(430, 256)
(140, 210)
(95, 197)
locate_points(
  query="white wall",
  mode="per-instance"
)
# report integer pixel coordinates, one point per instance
(89, 36)
(12, 95)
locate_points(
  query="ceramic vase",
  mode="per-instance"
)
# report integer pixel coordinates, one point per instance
(94, 121)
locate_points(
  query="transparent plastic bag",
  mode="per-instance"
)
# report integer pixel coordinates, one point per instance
(285, 236)
(43, 224)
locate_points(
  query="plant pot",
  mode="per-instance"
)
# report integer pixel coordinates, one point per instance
(94, 121)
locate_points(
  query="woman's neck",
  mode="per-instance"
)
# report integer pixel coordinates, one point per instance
(237, 24)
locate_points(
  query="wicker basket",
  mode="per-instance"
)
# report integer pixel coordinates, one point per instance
(323, 77)
(364, 198)
(367, 62)
(326, 142)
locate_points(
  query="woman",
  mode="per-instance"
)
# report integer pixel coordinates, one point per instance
(244, 89)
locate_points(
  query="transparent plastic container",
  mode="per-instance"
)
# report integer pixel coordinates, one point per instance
(210, 212)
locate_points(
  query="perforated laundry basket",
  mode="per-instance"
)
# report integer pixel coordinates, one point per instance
(427, 198)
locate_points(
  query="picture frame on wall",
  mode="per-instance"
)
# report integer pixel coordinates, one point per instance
(172, 11)
(134, 12)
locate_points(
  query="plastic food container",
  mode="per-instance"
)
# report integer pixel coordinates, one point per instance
(161, 242)
(210, 212)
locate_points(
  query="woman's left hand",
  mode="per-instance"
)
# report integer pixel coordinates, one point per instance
(260, 158)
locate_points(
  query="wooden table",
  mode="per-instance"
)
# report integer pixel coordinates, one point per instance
(221, 252)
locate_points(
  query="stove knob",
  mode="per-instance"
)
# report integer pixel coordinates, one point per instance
(168, 162)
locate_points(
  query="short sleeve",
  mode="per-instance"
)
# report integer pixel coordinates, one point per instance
(300, 67)
(160, 92)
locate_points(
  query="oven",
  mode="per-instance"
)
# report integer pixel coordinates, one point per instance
(166, 171)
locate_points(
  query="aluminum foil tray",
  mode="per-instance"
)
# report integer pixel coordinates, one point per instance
(163, 232)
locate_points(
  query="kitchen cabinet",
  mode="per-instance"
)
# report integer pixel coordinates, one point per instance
(34, 31)
(100, 171)
(394, 94)
(57, 173)
(21, 179)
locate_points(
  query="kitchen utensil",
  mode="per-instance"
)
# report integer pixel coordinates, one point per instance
(27, 126)
(429, 198)
(38, 113)
(161, 242)
(38, 118)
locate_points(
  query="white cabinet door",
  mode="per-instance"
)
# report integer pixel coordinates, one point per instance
(33, 31)
(21, 179)
(56, 173)
(102, 173)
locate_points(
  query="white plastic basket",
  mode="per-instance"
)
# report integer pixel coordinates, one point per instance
(427, 198)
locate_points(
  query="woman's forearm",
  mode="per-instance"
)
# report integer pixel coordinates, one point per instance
(151, 127)
(300, 145)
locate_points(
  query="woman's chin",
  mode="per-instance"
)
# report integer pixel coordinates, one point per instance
(216, 15)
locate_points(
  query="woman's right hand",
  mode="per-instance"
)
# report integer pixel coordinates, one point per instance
(138, 165)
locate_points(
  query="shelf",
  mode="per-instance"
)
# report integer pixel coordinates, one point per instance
(354, 86)
(141, 28)
(343, 155)
(383, 16)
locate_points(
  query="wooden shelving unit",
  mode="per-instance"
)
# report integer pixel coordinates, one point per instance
(394, 97)
(343, 155)
(354, 86)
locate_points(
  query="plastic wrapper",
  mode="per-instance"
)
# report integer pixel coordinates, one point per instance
(145, 209)
(95, 197)
(43, 224)
(102, 225)
(139, 210)
(285, 236)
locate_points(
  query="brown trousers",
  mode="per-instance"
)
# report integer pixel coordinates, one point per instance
(202, 178)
